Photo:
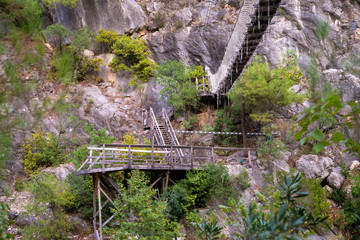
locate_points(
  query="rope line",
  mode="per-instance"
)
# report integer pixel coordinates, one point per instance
(225, 133)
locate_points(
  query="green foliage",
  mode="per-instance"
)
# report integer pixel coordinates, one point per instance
(150, 221)
(224, 122)
(64, 65)
(107, 36)
(22, 16)
(79, 197)
(208, 229)
(319, 87)
(348, 217)
(197, 189)
(175, 77)
(82, 39)
(351, 64)
(4, 222)
(322, 29)
(269, 150)
(42, 151)
(88, 65)
(191, 122)
(20, 185)
(338, 196)
(316, 202)
(98, 137)
(5, 147)
(59, 32)
(66, 3)
(159, 20)
(46, 188)
(241, 181)
(331, 106)
(284, 219)
(263, 90)
(131, 55)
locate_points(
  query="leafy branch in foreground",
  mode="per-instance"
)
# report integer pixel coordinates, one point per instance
(284, 220)
(323, 136)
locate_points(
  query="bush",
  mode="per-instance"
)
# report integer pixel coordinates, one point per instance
(191, 122)
(315, 203)
(98, 137)
(49, 197)
(42, 151)
(224, 123)
(150, 220)
(175, 78)
(131, 55)
(322, 29)
(197, 188)
(241, 181)
(64, 65)
(79, 197)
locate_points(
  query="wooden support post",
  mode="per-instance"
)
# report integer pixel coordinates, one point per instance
(94, 177)
(249, 157)
(99, 206)
(192, 157)
(130, 157)
(167, 179)
(163, 184)
(171, 158)
(197, 83)
(152, 156)
(103, 159)
(212, 155)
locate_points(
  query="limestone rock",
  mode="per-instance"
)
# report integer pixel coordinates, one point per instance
(281, 162)
(314, 166)
(335, 178)
(121, 16)
(62, 171)
(354, 165)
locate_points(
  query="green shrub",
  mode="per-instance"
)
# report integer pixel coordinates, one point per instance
(64, 65)
(269, 149)
(150, 221)
(42, 151)
(98, 137)
(66, 3)
(4, 222)
(338, 196)
(131, 55)
(224, 123)
(46, 188)
(197, 188)
(322, 29)
(175, 78)
(241, 181)
(79, 197)
(315, 202)
(191, 122)
(20, 185)
(159, 20)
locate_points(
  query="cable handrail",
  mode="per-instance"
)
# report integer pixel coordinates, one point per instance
(157, 128)
(171, 131)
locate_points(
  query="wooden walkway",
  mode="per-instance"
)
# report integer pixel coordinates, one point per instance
(119, 157)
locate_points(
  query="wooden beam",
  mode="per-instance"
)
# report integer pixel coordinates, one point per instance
(100, 210)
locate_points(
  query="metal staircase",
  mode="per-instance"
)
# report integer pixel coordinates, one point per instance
(163, 133)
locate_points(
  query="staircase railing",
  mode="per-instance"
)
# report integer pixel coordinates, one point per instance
(155, 127)
(172, 134)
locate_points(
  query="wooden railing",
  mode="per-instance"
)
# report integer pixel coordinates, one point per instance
(117, 157)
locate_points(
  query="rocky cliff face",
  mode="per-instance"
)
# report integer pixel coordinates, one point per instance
(120, 15)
